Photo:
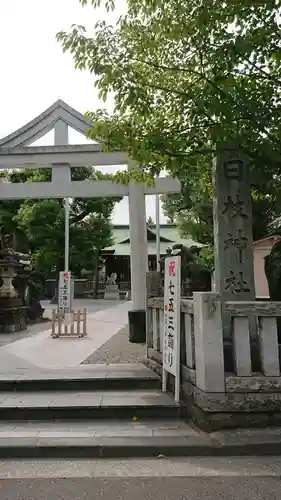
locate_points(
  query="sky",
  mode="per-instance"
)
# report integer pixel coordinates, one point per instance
(35, 72)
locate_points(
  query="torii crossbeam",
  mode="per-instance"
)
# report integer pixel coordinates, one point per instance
(16, 152)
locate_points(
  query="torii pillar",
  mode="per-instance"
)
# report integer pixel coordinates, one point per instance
(15, 152)
(139, 261)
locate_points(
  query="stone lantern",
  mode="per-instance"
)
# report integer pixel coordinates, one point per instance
(13, 311)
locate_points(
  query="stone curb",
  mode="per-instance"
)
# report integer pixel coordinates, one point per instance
(156, 447)
(83, 383)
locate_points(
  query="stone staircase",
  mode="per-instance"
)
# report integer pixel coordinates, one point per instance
(91, 411)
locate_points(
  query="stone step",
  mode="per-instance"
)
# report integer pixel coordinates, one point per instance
(48, 405)
(129, 439)
(85, 377)
(96, 439)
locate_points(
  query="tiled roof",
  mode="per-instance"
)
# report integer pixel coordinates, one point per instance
(169, 232)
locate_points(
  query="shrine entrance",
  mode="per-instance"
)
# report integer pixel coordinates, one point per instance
(16, 152)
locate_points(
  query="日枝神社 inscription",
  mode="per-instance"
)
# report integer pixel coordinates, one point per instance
(236, 283)
(234, 274)
(239, 241)
(234, 208)
(233, 170)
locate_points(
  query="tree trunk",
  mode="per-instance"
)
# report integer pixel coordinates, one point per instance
(14, 241)
(96, 279)
(60, 267)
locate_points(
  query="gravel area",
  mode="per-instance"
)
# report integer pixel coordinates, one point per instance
(118, 349)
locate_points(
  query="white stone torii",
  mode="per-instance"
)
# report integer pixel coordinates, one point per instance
(16, 152)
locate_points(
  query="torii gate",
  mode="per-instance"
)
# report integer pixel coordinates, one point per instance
(16, 152)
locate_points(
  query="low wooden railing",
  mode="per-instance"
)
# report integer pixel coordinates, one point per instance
(202, 342)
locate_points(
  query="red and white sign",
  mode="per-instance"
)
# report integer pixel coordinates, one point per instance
(171, 334)
(65, 291)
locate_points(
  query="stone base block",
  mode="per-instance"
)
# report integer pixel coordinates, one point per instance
(216, 420)
(214, 411)
(13, 319)
(137, 326)
(111, 292)
(247, 402)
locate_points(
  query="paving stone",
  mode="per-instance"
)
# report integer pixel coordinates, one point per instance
(175, 432)
(8, 426)
(39, 376)
(133, 393)
(131, 374)
(66, 434)
(95, 428)
(242, 436)
(34, 403)
(136, 400)
(9, 402)
(123, 431)
(41, 426)
(66, 440)
(126, 367)
(9, 376)
(12, 442)
(20, 434)
(102, 374)
(73, 401)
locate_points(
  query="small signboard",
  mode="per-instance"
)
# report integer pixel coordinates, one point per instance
(171, 324)
(65, 292)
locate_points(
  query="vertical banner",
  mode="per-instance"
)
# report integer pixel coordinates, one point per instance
(65, 292)
(171, 334)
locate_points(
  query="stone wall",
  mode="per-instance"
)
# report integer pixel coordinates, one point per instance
(213, 397)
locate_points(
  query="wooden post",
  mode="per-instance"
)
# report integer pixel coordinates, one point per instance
(59, 324)
(72, 325)
(65, 324)
(84, 322)
(53, 322)
(78, 322)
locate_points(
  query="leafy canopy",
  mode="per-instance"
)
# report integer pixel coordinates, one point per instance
(185, 75)
(41, 223)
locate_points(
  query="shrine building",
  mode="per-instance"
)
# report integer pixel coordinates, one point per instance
(118, 255)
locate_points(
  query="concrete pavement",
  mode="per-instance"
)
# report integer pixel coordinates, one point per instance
(104, 320)
(148, 487)
(149, 467)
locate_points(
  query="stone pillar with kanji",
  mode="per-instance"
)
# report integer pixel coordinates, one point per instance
(233, 241)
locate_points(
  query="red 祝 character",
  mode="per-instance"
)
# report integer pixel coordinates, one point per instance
(172, 268)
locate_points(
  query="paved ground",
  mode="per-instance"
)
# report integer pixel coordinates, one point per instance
(142, 488)
(91, 305)
(38, 349)
(111, 340)
(173, 467)
(118, 349)
(8, 338)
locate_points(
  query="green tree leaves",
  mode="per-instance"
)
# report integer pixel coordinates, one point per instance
(40, 224)
(184, 75)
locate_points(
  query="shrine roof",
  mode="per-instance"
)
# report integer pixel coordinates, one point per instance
(168, 237)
